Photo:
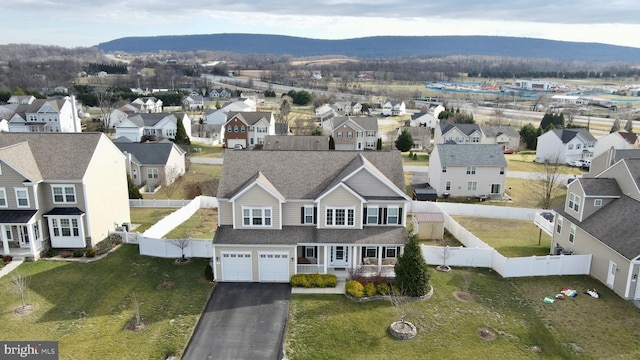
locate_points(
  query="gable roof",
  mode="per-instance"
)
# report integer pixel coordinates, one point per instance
(367, 123)
(302, 174)
(150, 119)
(250, 117)
(566, 135)
(148, 153)
(466, 129)
(600, 187)
(416, 131)
(630, 138)
(495, 131)
(471, 155)
(295, 142)
(20, 157)
(59, 156)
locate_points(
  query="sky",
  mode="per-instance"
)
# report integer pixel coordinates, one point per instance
(85, 23)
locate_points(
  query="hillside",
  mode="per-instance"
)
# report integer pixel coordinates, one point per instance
(380, 46)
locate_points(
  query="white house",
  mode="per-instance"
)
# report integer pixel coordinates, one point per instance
(248, 128)
(472, 170)
(394, 108)
(194, 101)
(160, 125)
(424, 119)
(148, 104)
(620, 140)
(458, 133)
(42, 115)
(219, 116)
(565, 145)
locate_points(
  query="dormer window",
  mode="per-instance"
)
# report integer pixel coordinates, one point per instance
(574, 202)
(597, 202)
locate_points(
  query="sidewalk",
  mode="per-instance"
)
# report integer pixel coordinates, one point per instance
(10, 266)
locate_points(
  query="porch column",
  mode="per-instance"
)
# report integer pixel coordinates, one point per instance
(379, 258)
(32, 242)
(5, 242)
(325, 263)
(353, 256)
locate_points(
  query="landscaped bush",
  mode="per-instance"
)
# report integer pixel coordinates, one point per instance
(2, 263)
(91, 252)
(78, 253)
(7, 258)
(107, 244)
(369, 289)
(383, 289)
(314, 280)
(208, 272)
(354, 288)
(52, 252)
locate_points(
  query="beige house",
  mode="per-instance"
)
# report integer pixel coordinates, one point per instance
(60, 190)
(287, 212)
(352, 133)
(597, 218)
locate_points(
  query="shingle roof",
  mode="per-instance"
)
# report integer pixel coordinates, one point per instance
(20, 157)
(368, 123)
(417, 131)
(494, 131)
(295, 142)
(620, 154)
(600, 187)
(291, 235)
(466, 129)
(567, 135)
(150, 119)
(303, 174)
(59, 156)
(250, 117)
(150, 153)
(471, 155)
(631, 138)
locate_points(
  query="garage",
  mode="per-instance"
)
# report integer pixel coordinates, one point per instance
(233, 142)
(236, 266)
(345, 147)
(274, 267)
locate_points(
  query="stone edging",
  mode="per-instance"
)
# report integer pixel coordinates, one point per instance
(388, 297)
(82, 259)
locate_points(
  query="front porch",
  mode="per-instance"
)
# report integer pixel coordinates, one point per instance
(368, 260)
(20, 233)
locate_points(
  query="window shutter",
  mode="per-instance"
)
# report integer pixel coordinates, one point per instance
(365, 216)
(302, 215)
(384, 219)
(399, 216)
(379, 216)
(315, 214)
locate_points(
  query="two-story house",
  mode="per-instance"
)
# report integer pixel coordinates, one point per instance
(620, 140)
(458, 133)
(286, 212)
(565, 145)
(507, 137)
(424, 119)
(394, 108)
(157, 125)
(60, 190)
(152, 164)
(421, 137)
(470, 170)
(219, 116)
(597, 218)
(148, 104)
(193, 101)
(28, 114)
(348, 107)
(611, 156)
(248, 128)
(352, 133)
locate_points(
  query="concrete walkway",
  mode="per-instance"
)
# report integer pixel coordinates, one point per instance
(10, 266)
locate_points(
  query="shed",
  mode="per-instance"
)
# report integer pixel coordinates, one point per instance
(428, 225)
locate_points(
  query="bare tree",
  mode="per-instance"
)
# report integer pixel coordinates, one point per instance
(105, 104)
(21, 285)
(444, 254)
(169, 179)
(182, 244)
(136, 310)
(546, 184)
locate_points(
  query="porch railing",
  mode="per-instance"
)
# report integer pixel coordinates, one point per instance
(310, 269)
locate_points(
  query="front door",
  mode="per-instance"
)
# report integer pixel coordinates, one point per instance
(340, 256)
(611, 277)
(23, 234)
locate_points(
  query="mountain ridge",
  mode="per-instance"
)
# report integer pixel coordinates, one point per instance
(380, 46)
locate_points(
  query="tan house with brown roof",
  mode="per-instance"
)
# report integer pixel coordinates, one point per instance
(60, 190)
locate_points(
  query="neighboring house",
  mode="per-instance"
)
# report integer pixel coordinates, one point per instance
(324, 112)
(248, 128)
(353, 133)
(282, 213)
(597, 218)
(348, 107)
(458, 133)
(611, 156)
(421, 137)
(193, 101)
(21, 99)
(159, 125)
(621, 140)
(42, 115)
(220, 93)
(116, 116)
(425, 120)
(148, 104)
(394, 108)
(152, 164)
(473, 170)
(430, 107)
(565, 145)
(219, 116)
(282, 128)
(60, 190)
(507, 137)
(295, 142)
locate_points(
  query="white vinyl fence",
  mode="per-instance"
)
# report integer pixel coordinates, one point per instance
(168, 248)
(477, 253)
(159, 203)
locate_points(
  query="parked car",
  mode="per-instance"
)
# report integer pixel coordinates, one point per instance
(238, 147)
(508, 151)
(586, 165)
(576, 163)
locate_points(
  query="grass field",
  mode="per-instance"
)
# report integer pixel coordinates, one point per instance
(202, 225)
(86, 307)
(206, 150)
(512, 238)
(205, 175)
(334, 327)
(146, 217)
(522, 192)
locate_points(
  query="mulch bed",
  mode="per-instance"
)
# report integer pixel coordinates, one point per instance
(144, 325)
(487, 334)
(464, 296)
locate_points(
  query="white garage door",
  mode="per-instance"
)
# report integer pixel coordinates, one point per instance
(274, 267)
(232, 142)
(345, 146)
(236, 267)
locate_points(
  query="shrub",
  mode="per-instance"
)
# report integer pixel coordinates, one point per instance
(369, 289)
(2, 263)
(107, 244)
(314, 280)
(78, 253)
(7, 258)
(91, 252)
(329, 280)
(383, 289)
(52, 252)
(208, 272)
(411, 270)
(354, 288)
(415, 156)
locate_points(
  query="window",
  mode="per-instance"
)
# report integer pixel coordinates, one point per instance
(260, 140)
(261, 129)
(309, 251)
(371, 133)
(597, 202)
(371, 252)
(578, 146)
(235, 128)
(392, 215)
(65, 227)
(475, 139)
(63, 194)
(256, 216)
(359, 134)
(471, 170)
(372, 215)
(242, 128)
(574, 202)
(152, 173)
(308, 215)
(8, 233)
(501, 170)
(444, 169)
(572, 233)
(447, 186)
(472, 185)
(340, 217)
(3, 197)
(370, 145)
(339, 134)
(349, 134)
(559, 225)
(229, 129)
(134, 172)
(495, 188)
(252, 128)
(391, 252)
(570, 146)
(22, 197)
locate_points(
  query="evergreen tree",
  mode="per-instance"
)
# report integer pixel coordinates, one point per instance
(181, 135)
(332, 143)
(404, 142)
(412, 272)
(616, 126)
(134, 193)
(379, 144)
(628, 127)
(529, 134)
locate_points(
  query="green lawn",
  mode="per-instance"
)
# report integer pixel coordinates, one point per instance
(202, 225)
(146, 217)
(86, 307)
(205, 175)
(333, 327)
(206, 150)
(422, 159)
(512, 238)
(524, 162)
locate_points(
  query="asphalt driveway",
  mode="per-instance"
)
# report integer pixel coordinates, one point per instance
(242, 321)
